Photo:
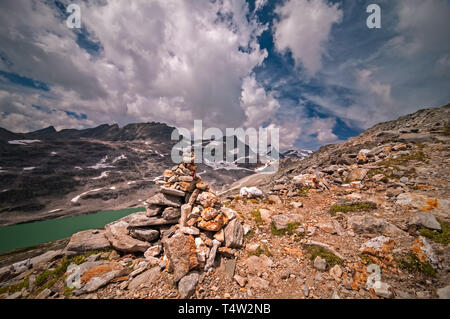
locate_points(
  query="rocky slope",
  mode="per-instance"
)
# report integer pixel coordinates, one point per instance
(367, 218)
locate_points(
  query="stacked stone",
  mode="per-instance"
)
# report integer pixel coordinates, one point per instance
(184, 222)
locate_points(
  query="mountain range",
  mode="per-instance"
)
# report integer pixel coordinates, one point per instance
(49, 173)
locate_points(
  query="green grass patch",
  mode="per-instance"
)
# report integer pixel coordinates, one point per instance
(256, 214)
(417, 155)
(249, 235)
(352, 207)
(303, 191)
(331, 258)
(291, 227)
(412, 264)
(261, 251)
(441, 237)
(16, 287)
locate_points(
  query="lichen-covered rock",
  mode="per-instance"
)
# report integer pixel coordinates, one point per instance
(181, 251)
(215, 224)
(209, 213)
(207, 199)
(424, 251)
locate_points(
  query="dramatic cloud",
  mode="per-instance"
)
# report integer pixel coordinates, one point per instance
(170, 61)
(304, 28)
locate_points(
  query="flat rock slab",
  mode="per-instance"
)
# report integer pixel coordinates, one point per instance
(98, 282)
(146, 279)
(144, 234)
(88, 240)
(172, 191)
(162, 199)
(151, 221)
(46, 257)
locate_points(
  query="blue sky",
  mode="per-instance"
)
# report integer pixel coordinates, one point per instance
(310, 67)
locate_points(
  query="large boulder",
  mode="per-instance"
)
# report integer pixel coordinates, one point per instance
(181, 251)
(88, 240)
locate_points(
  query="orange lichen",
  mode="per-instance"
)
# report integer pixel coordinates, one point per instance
(98, 271)
(431, 203)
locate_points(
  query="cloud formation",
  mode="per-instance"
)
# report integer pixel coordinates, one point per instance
(304, 28)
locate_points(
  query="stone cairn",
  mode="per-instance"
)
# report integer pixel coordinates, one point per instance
(184, 223)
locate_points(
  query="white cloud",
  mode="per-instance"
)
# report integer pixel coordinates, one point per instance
(259, 4)
(422, 26)
(171, 61)
(258, 105)
(304, 29)
(17, 114)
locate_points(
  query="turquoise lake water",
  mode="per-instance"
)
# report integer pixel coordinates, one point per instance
(30, 234)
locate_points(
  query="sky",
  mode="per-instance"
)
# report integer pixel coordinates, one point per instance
(312, 68)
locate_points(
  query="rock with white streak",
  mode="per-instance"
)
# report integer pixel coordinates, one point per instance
(234, 234)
